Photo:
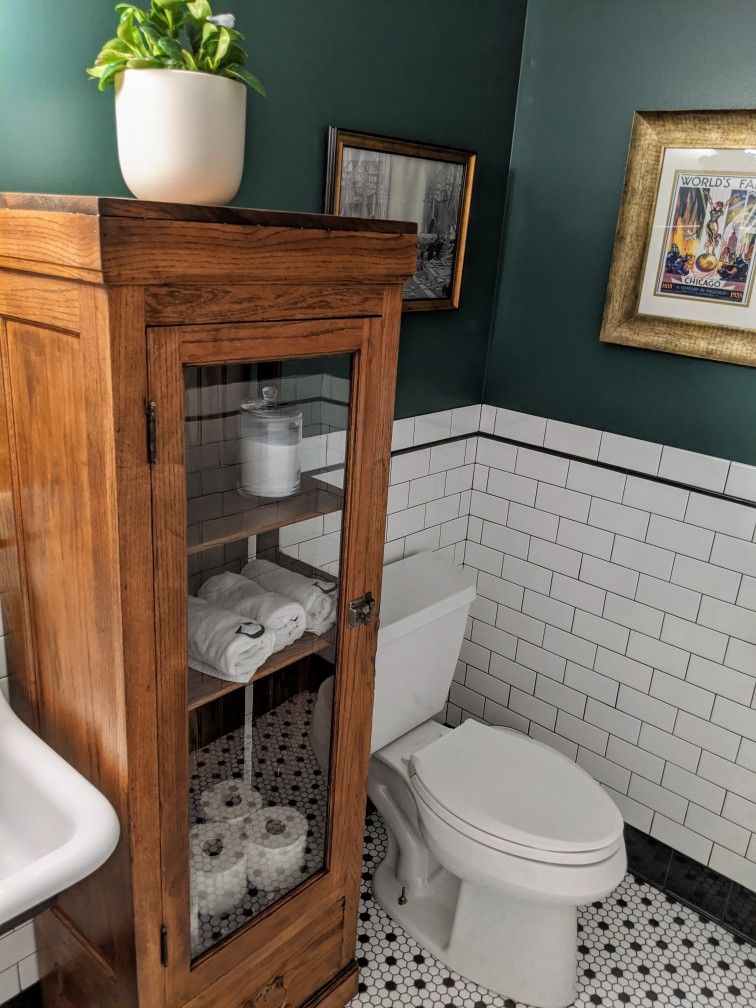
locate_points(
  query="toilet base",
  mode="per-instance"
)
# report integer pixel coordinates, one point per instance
(515, 947)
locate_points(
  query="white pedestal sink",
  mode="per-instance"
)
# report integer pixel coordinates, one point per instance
(55, 827)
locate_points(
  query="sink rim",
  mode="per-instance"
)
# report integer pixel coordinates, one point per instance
(50, 783)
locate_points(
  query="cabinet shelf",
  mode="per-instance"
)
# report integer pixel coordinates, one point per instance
(204, 688)
(247, 516)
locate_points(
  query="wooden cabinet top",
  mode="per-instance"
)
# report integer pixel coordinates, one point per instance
(124, 241)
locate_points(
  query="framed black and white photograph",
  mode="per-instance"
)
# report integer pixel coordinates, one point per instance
(388, 179)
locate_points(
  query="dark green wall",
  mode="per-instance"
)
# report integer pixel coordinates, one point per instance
(435, 70)
(587, 64)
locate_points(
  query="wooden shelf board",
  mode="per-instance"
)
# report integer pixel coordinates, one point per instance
(264, 514)
(204, 688)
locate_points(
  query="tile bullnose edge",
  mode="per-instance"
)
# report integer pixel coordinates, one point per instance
(647, 459)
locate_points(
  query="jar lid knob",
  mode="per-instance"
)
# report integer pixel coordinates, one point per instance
(269, 394)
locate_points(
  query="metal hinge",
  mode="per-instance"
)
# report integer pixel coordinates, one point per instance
(150, 411)
(163, 945)
(361, 610)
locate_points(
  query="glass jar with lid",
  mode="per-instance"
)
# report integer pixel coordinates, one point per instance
(270, 448)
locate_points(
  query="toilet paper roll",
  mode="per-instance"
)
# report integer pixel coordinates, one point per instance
(230, 800)
(218, 867)
(275, 839)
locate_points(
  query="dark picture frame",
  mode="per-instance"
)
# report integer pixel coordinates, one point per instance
(379, 177)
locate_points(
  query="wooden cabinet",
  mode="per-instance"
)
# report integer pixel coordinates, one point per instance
(136, 340)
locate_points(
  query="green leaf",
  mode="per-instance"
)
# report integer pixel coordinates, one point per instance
(242, 74)
(106, 58)
(188, 60)
(193, 29)
(224, 41)
(128, 32)
(236, 54)
(151, 37)
(112, 51)
(115, 45)
(109, 74)
(170, 47)
(209, 30)
(144, 63)
(200, 9)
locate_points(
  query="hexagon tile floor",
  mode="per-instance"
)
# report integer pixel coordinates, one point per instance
(637, 948)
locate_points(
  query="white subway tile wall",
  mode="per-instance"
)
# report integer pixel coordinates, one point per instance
(18, 961)
(630, 607)
(615, 618)
(615, 613)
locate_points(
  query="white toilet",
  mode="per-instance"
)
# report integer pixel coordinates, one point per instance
(494, 839)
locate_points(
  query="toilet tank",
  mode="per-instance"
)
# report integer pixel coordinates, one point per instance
(425, 600)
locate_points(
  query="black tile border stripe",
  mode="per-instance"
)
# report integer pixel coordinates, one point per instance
(579, 458)
(30, 997)
(712, 895)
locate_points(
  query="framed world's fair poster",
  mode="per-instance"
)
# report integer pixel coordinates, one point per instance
(683, 275)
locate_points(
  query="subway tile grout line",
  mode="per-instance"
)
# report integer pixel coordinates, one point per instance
(622, 470)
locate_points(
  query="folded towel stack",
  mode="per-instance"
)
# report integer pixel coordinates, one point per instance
(224, 644)
(286, 619)
(318, 597)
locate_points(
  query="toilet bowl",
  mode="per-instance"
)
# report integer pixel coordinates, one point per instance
(494, 839)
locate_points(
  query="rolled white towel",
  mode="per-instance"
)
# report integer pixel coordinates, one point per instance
(318, 597)
(223, 644)
(285, 618)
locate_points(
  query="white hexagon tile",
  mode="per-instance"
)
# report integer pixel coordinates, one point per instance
(639, 947)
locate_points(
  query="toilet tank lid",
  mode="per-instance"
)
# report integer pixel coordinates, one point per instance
(420, 589)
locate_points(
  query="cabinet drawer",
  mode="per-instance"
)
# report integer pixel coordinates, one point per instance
(287, 974)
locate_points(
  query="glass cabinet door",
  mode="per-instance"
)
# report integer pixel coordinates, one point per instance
(265, 463)
(266, 467)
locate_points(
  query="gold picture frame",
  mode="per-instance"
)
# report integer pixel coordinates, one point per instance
(682, 274)
(383, 177)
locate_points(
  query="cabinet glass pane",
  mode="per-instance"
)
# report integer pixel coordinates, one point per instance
(265, 467)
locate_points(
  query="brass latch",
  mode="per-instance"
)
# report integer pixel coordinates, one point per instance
(361, 610)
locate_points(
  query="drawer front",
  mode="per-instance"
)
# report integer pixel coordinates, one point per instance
(286, 975)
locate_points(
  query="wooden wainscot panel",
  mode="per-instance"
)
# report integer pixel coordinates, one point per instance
(13, 597)
(339, 992)
(46, 300)
(193, 303)
(73, 973)
(280, 977)
(59, 389)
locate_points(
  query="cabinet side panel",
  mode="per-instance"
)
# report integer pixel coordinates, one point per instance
(64, 493)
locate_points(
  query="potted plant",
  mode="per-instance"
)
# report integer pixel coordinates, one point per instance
(180, 100)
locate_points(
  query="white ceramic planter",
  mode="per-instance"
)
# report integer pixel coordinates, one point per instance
(180, 135)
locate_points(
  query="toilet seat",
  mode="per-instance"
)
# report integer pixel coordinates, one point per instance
(513, 794)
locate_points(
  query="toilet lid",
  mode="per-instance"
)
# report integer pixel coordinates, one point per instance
(512, 787)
